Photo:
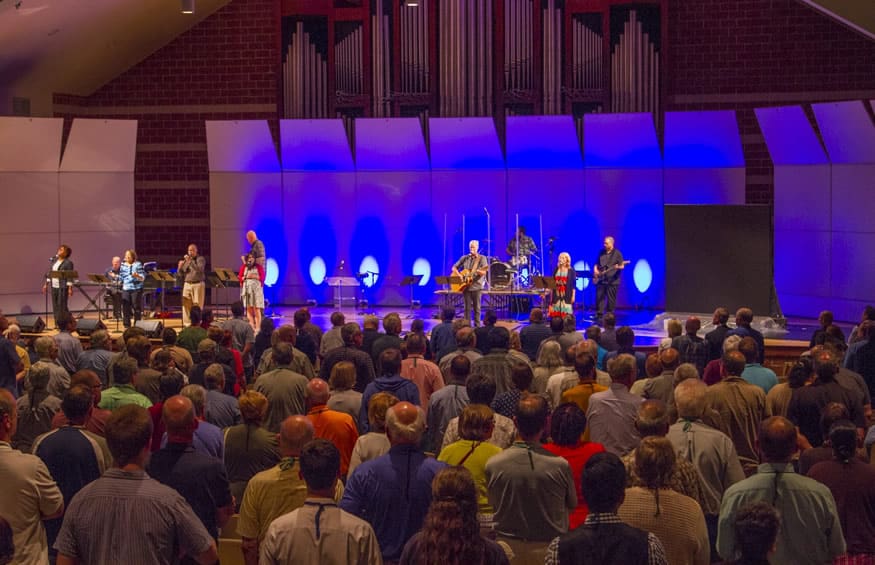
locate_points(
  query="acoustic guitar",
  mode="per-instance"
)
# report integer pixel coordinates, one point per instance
(468, 277)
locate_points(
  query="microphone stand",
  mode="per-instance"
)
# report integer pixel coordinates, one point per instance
(488, 248)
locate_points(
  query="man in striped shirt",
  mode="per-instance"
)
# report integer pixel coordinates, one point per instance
(127, 517)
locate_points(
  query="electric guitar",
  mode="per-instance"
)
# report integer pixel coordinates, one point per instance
(609, 270)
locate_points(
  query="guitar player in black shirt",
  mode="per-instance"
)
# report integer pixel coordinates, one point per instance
(606, 276)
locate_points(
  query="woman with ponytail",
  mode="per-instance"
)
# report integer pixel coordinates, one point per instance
(852, 484)
(450, 534)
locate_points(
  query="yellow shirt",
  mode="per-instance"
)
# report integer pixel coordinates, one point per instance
(476, 463)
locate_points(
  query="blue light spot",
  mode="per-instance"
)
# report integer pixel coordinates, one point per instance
(643, 275)
(422, 267)
(317, 270)
(581, 283)
(370, 267)
(271, 272)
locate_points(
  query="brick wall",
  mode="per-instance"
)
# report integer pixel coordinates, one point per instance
(223, 68)
(746, 54)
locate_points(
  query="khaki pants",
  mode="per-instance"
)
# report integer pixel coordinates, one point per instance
(526, 552)
(192, 295)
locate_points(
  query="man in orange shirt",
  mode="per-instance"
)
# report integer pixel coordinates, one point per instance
(425, 374)
(337, 427)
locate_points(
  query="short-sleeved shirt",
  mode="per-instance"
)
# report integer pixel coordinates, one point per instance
(249, 449)
(610, 419)
(285, 391)
(120, 395)
(364, 365)
(472, 263)
(200, 479)
(337, 427)
(28, 492)
(128, 517)
(472, 455)
(96, 360)
(425, 374)
(241, 334)
(605, 261)
(221, 409)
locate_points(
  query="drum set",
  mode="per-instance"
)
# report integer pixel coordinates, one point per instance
(516, 274)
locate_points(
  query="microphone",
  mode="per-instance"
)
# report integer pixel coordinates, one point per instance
(53, 258)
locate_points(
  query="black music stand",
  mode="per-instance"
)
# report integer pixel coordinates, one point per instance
(448, 281)
(339, 283)
(161, 279)
(224, 278)
(411, 281)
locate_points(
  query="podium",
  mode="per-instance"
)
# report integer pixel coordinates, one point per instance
(338, 284)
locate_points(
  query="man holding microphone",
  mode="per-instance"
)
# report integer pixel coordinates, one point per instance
(193, 267)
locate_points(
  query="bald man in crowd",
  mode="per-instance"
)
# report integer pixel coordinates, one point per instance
(199, 478)
(337, 427)
(278, 490)
(393, 491)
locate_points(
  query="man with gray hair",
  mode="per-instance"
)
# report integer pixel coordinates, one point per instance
(208, 438)
(36, 408)
(13, 365)
(97, 357)
(710, 451)
(59, 378)
(393, 491)
(471, 268)
(351, 351)
(221, 410)
(466, 344)
(611, 414)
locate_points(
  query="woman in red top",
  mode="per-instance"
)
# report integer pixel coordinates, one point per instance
(566, 281)
(251, 277)
(566, 429)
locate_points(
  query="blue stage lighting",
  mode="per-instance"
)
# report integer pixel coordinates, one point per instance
(370, 266)
(422, 267)
(643, 275)
(317, 270)
(271, 272)
(581, 283)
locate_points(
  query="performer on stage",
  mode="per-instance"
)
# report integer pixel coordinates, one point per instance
(114, 293)
(566, 287)
(251, 277)
(256, 249)
(526, 246)
(193, 266)
(607, 276)
(473, 267)
(132, 275)
(62, 289)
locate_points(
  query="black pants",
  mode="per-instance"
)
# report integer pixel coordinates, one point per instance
(605, 292)
(59, 302)
(132, 303)
(472, 302)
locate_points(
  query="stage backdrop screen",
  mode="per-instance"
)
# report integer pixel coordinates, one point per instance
(718, 256)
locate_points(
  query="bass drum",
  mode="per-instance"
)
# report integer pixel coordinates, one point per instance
(500, 275)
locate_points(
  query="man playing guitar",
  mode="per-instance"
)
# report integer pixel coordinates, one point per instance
(473, 268)
(606, 276)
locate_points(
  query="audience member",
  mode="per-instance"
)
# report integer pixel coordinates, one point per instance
(96, 358)
(611, 414)
(284, 388)
(692, 348)
(832, 413)
(199, 478)
(807, 404)
(662, 387)
(36, 409)
(425, 374)
(393, 491)
(95, 421)
(490, 318)
(221, 409)
(743, 329)
(585, 367)
(249, 448)
(106, 521)
(263, 338)
(332, 338)
(69, 347)
(506, 402)
(626, 343)
(7, 546)
(652, 421)
(570, 336)
(860, 356)
(443, 338)
(716, 336)
(47, 351)
(451, 533)
(756, 528)
(852, 484)
(673, 330)
(481, 390)
(567, 424)
(319, 531)
(207, 438)
(447, 403)
(714, 371)
(300, 363)
(350, 351)
(181, 356)
(29, 495)
(531, 489)
(603, 537)
(146, 383)
(370, 333)
(124, 375)
(11, 363)
(533, 334)
(374, 443)
(309, 338)
(811, 532)
(337, 427)
(343, 397)
(608, 338)
(390, 381)
(391, 339)
(169, 385)
(740, 408)
(550, 361)
(242, 336)
(754, 373)
(466, 343)
(496, 361)
(473, 450)
(677, 520)
(824, 320)
(276, 491)
(192, 335)
(778, 398)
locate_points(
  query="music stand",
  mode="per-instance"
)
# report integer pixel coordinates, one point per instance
(225, 279)
(160, 280)
(338, 283)
(411, 281)
(448, 281)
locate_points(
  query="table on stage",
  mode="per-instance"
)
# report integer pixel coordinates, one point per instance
(500, 300)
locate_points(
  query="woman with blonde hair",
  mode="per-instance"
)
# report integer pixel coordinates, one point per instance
(374, 443)
(249, 448)
(450, 533)
(566, 281)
